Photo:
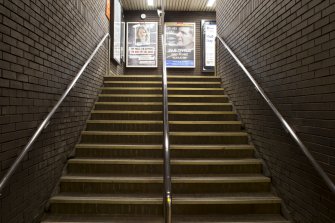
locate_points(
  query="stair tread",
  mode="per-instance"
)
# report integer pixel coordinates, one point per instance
(151, 161)
(265, 218)
(160, 133)
(159, 179)
(159, 103)
(159, 88)
(170, 122)
(160, 112)
(264, 198)
(127, 103)
(160, 95)
(160, 82)
(139, 146)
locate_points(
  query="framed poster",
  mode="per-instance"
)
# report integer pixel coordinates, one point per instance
(180, 44)
(142, 38)
(208, 30)
(117, 31)
(123, 41)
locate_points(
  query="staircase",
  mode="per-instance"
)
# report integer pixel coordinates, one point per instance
(117, 172)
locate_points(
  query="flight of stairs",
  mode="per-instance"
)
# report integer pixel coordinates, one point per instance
(117, 172)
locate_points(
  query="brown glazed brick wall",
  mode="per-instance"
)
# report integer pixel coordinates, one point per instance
(289, 48)
(134, 16)
(43, 45)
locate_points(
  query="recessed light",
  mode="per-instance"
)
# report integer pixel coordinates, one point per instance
(150, 2)
(210, 3)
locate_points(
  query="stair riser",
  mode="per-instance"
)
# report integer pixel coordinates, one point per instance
(158, 117)
(157, 139)
(157, 188)
(157, 153)
(190, 107)
(126, 116)
(171, 99)
(158, 78)
(129, 107)
(159, 91)
(220, 209)
(122, 139)
(159, 127)
(202, 117)
(149, 169)
(209, 140)
(131, 91)
(174, 85)
(110, 209)
(208, 107)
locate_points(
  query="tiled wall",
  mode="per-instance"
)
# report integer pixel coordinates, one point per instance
(289, 48)
(43, 45)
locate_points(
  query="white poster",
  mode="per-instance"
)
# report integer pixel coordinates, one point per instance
(210, 33)
(180, 44)
(117, 32)
(142, 44)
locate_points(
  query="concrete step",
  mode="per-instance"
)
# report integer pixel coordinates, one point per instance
(157, 106)
(152, 205)
(230, 204)
(158, 90)
(155, 166)
(134, 106)
(159, 78)
(157, 115)
(154, 184)
(158, 98)
(179, 84)
(106, 204)
(156, 137)
(245, 218)
(155, 151)
(150, 125)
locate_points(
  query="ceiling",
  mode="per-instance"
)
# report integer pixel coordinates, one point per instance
(170, 5)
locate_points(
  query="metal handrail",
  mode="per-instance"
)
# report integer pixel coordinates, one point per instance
(167, 196)
(46, 121)
(287, 127)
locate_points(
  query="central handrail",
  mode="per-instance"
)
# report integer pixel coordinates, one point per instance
(167, 196)
(287, 127)
(46, 121)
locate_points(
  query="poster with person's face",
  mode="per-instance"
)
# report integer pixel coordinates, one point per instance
(142, 44)
(180, 44)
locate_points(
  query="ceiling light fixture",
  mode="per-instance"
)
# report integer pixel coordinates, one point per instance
(210, 3)
(150, 2)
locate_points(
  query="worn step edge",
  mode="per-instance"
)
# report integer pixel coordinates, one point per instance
(172, 147)
(160, 112)
(183, 179)
(177, 200)
(159, 82)
(248, 161)
(161, 122)
(207, 134)
(159, 103)
(227, 200)
(159, 88)
(105, 199)
(265, 218)
(160, 96)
